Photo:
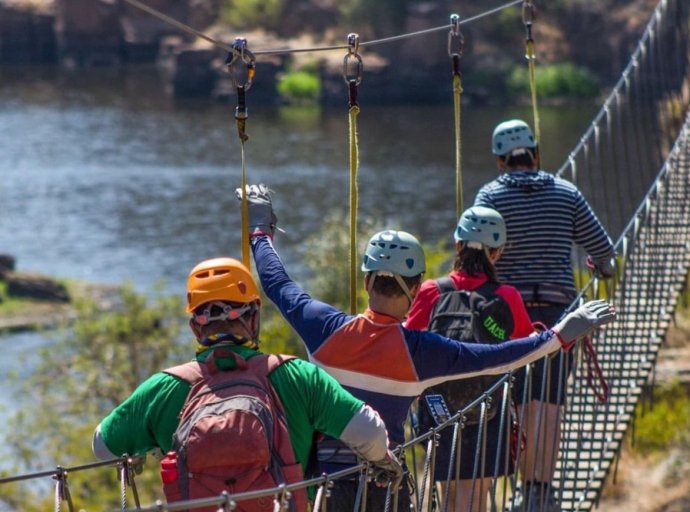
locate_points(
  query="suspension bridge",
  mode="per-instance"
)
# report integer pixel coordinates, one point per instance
(633, 165)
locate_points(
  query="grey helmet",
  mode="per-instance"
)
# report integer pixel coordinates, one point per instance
(511, 135)
(394, 252)
(480, 226)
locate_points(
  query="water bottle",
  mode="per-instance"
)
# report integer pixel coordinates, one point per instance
(169, 472)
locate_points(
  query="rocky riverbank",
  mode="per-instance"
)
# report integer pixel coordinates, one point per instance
(598, 36)
(31, 301)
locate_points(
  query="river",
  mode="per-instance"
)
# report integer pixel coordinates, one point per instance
(106, 179)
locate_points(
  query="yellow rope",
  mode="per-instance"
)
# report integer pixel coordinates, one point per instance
(354, 165)
(457, 92)
(532, 63)
(245, 213)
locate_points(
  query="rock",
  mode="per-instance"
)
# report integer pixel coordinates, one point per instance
(88, 33)
(7, 264)
(35, 287)
(26, 36)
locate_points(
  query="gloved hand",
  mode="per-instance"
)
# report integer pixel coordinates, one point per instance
(388, 471)
(602, 269)
(583, 320)
(262, 219)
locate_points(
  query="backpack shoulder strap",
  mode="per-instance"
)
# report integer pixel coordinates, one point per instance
(445, 285)
(488, 288)
(190, 372)
(264, 364)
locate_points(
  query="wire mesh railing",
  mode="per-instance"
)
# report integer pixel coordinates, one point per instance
(633, 165)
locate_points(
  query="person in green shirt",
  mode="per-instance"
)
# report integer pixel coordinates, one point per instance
(224, 302)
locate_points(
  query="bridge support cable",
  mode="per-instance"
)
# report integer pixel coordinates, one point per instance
(626, 150)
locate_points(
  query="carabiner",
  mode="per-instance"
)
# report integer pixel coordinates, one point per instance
(352, 63)
(529, 15)
(241, 53)
(456, 41)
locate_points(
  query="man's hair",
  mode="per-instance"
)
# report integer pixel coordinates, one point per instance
(474, 262)
(523, 157)
(389, 287)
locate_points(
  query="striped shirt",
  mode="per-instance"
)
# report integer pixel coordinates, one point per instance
(544, 216)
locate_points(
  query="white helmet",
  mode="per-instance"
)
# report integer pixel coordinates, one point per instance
(394, 252)
(510, 135)
(480, 226)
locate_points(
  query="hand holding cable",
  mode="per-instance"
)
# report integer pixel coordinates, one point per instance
(602, 269)
(388, 471)
(582, 321)
(262, 218)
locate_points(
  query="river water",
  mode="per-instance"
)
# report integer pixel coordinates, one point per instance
(105, 179)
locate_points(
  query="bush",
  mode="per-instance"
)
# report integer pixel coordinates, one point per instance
(300, 87)
(667, 424)
(554, 81)
(250, 14)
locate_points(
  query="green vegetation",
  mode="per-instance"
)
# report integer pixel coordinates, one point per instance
(667, 423)
(250, 14)
(300, 87)
(83, 375)
(10, 305)
(555, 81)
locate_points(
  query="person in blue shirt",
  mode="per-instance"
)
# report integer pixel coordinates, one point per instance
(372, 354)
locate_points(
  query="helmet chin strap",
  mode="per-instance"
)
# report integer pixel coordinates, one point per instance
(397, 278)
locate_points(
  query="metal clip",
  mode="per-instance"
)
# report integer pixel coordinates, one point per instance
(456, 41)
(240, 53)
(529, 15)
(352, 63)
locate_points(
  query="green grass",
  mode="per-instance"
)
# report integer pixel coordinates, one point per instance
(667, 423)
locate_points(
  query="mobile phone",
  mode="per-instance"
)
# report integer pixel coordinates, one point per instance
(437, 408)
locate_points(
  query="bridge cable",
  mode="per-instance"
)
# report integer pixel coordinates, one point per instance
(241, 54)
(352, 74)
(283, 51)
(529, 15)
(456, 43)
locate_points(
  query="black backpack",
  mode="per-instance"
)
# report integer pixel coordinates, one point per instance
(471, 316)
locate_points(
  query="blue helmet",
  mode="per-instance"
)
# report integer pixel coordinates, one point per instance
(510, 135)
(394, 252)
(480, 226)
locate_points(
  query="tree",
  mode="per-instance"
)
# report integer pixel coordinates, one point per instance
(96, 364)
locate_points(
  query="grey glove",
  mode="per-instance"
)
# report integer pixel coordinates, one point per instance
(388, 471)
(262, 219)
(583, 320)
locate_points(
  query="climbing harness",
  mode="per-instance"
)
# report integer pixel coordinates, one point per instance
(529, 15)
(456, 42)
(241, 55)
(353, 68)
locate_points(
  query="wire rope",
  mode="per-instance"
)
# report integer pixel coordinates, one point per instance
(282, 51)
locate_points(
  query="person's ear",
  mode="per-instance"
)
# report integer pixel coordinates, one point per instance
(537, 159)
(501, 163)
(196, 328)
(459, 245)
